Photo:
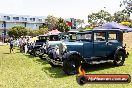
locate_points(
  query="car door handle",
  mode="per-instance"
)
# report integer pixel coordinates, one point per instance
(107, 43)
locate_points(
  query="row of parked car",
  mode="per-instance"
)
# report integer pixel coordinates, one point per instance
(72, 49)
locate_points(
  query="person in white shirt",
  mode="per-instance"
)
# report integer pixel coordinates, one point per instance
(21, 44)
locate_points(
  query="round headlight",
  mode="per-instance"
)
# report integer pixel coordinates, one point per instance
(63, 47)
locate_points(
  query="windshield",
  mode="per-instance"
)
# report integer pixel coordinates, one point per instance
(84, 36)
(68, 37)
(54, 38)
(43, 37)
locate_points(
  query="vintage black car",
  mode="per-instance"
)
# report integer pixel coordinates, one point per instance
(92, 45)
(35, 49)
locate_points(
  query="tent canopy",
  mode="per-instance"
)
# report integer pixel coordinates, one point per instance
(53, 32)
(112, 25)
(129, 30)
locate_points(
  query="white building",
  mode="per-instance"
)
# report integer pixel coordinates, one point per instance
(7, 21)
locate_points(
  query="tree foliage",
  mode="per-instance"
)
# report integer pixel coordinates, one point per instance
(51, 21)
(42, 30)
(80, 22)
(128, 5)
(99, 18)
(121, 16)
(17, 31)
(62, 25)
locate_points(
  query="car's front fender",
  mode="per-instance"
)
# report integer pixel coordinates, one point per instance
(123, 50)
(67, 54)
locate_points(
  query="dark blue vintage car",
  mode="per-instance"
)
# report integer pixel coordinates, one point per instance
(55, 41)
(93, 45)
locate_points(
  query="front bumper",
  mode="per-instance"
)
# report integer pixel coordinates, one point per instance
(55, 62)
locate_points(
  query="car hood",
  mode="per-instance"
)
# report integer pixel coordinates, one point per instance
(74, 46)
(73, 43)
(54, 43)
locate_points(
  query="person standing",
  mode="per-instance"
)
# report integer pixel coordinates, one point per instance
(25, 45)
(21, 44)
(11, 45)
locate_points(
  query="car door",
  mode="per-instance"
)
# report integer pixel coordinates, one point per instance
(100, 47)
(113, 42)
(86, 39)
(88, 49)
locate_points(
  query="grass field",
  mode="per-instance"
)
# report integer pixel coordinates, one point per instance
(19, 70)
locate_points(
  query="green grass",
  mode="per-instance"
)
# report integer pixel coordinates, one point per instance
(18, 70)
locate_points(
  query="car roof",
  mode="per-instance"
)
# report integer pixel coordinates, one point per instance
(43, 35)
(106, 30)
(90, 31)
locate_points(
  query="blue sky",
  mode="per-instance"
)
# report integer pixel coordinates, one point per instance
(60, 8)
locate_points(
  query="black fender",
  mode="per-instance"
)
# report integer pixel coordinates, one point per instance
(68, 54)
(120, 49)
(123, 50)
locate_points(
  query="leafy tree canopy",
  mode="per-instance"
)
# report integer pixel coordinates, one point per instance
(127, 4)
(17, 31)
(62, 25)
(99, 18)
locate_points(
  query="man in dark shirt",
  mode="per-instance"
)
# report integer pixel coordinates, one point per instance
(11, 45)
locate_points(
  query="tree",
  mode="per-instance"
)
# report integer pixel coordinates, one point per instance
(17, 31)
(121, 16)
(80, 22)
(96, 19)
(128, 5)
(42, 30)
(62, 25)
(30, 32)
(51, 21)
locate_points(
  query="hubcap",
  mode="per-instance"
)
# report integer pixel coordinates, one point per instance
(37, 52)
(119, 59)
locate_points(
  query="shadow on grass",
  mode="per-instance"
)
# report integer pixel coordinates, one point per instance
(42, 61)
(97, 67)
(58, 72)
(29, 56)
(55, 72)
(18, 52)
(17, 48)
(6, 53)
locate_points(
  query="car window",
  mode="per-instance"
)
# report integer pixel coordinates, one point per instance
(54, 38)
(99, 36)
(84, 36)
(112, 36)
(43, 37)
(72, 36)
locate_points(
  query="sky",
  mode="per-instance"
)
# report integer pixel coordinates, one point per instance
(59, 8)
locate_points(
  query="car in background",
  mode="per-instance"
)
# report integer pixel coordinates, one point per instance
(34, 49)
(55, 40)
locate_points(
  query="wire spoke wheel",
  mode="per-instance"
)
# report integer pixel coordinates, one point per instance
(71, 65)
(119, 58)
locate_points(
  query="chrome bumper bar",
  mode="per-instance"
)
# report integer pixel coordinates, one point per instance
(55, 62)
